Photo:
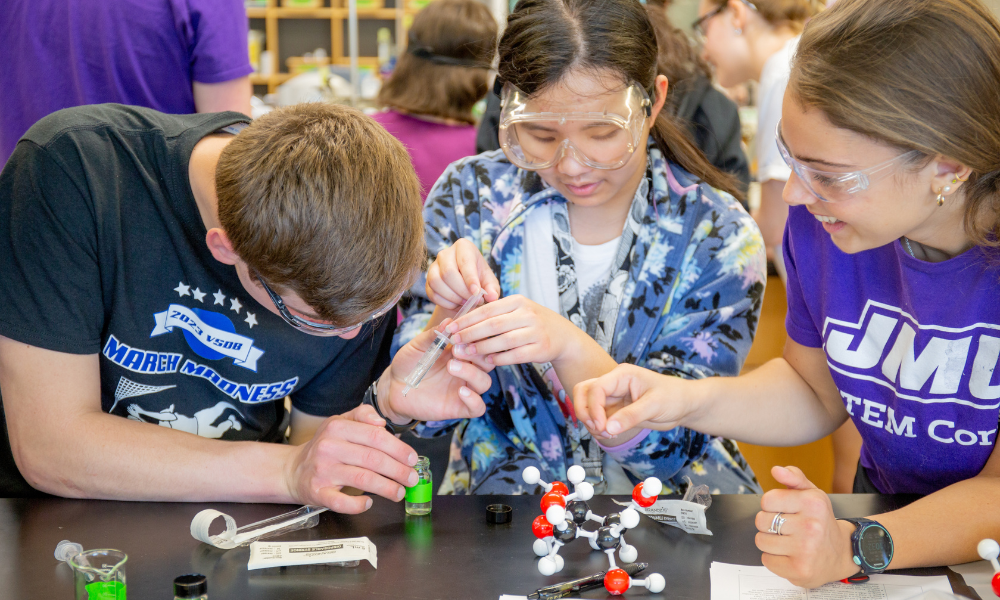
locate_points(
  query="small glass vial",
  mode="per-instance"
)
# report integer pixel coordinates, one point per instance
(191, 587)
(418, 497)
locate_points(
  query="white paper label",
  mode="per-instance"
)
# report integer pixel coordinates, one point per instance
(688, 516)
(264, 555)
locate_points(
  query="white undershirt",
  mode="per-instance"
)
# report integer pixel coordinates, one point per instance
(771, 92)
(538, 262)
(593, 270)
(538, 267)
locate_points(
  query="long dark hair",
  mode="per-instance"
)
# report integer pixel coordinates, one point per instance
(546, 39)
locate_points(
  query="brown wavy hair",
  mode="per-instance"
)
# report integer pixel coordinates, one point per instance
(322, 201)
(918, 75)
(459, 29)
(547, 39)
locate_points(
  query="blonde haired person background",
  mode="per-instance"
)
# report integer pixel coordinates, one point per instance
(755, 40)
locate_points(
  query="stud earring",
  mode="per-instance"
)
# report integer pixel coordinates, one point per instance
(738, 31)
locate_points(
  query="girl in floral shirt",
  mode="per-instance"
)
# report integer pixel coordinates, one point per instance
(601, 236)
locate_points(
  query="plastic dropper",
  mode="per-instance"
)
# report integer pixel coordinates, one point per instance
(66, 550)
(431, 355)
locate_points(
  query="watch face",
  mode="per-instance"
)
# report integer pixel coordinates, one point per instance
(876, 547)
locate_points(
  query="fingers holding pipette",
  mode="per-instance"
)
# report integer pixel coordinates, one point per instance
(457, 273)
(450, 389)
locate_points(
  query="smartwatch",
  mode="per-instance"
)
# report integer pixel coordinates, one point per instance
(871, 545)
(371, 399)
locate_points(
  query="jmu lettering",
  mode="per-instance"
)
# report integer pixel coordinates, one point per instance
(935, 360)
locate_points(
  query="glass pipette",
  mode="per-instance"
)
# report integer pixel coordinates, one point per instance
(431, 354)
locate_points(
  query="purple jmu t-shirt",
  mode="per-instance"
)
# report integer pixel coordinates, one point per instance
(432, 146)
(913, 347)
(69, 53)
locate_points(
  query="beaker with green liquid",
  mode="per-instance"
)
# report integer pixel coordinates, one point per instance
(99, 574)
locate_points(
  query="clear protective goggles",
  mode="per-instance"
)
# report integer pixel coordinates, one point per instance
(535, 139)
(830, 186)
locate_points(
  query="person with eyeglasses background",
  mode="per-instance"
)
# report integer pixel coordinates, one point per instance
(754, 40)
(170, 275)
(891, 128)
(602, 235)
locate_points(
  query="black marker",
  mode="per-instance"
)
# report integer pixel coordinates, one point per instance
(562, 590)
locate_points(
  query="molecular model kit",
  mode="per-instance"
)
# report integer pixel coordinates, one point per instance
(990, 550)
(564, 515)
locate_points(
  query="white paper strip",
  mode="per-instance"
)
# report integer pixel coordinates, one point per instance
(265, 555)
(688, 516)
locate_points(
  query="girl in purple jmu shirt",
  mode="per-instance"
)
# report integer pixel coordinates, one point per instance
(891, 126)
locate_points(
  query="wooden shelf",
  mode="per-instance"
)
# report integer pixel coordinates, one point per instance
(302, 13)
(336, 14)
(275, 80)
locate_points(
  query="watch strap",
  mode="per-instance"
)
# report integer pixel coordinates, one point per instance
(371, 399)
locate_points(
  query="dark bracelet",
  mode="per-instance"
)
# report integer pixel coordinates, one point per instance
(371, 399)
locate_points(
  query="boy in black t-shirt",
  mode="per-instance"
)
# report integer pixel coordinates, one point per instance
(162, 269)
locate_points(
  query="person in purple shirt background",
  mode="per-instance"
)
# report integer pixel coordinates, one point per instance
(891, 126)
(176, 56)
(428, 99)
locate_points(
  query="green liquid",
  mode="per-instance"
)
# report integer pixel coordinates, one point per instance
(418, 498)
(106, 590)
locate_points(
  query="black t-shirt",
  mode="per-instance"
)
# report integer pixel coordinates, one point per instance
(102, 251)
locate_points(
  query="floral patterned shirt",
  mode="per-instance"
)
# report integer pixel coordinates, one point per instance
(690, 309)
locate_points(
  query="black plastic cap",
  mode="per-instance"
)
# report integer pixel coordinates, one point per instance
(498, 514)
(190, 586)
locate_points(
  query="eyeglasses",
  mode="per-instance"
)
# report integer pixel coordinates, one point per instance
(698, 26)
(830, 186)
(318, 329)
(535, 138)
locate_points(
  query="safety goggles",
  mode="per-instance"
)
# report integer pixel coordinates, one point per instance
(831, 186)
(311, 327)
(534, 138)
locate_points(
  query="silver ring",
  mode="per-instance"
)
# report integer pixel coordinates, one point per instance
(776, 524)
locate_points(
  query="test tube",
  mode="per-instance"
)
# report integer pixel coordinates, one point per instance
(431, 354)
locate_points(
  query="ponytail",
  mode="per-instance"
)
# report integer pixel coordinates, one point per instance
(672, 140)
